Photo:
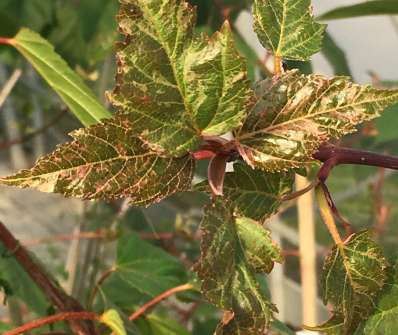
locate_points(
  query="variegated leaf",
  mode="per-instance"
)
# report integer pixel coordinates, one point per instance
(177, 87)
(287, 28)
(353, 275)
(107, 161)
(254, 193)
(294, 114)
(230, 257)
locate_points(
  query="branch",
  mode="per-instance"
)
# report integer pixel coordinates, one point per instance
(45, 282)
(332, 156)
(69, 316)
(158, 299)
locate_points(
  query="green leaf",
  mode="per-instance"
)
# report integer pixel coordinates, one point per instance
(176, 87)
(112, 319)
(4, 327)
(296, 113)
(367, 8)
(156, 325)
(70, 87)
(146, 268)
(335, 56)
(384, 318)
(106, 161)
(254, 193)
(229, 259)
(287, 28)
(21, 285)
(279, 328)
(353, 275)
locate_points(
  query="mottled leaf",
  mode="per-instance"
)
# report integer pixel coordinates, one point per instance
(287, 28)
(177, 87)
(296, 113)
(254, 193)
(70, 87)
(106, 161)
(353, 275)
(227, 270)
(384, 318)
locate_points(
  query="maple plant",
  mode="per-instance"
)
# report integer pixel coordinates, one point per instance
(177, 93)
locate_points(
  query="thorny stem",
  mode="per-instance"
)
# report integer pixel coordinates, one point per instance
(44, 281)
(68, 316)
(158, 299)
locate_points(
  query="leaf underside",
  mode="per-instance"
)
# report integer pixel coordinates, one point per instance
(107, 161)
(287, 28)
(177, 87)
(352, 277)
(295, 113)
(253, 193)
(233, 250)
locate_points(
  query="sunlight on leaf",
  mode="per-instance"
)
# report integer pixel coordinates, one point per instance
(296, 113)
(70, 87)
(287, 28)
(106, 161)
(177, 87)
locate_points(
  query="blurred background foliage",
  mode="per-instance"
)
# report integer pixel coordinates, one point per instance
(152, 250)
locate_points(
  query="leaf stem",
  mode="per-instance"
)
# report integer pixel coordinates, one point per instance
(45, 282)
(68, 316)
(5, 40)
(158, 299)
(327, 215)
(277, 66)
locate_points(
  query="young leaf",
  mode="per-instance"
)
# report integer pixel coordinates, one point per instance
(296, 113)
(112, 319)
(384, 319)
(287, 28)
(177, 87)
(367, 8)
(227, 266)
(106, 161)
(353, 274)
(156, 325)
(254, 193)
(70, 87)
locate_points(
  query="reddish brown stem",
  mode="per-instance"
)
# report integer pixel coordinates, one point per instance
(5, 40)
(100, 281)
(158, 299)
(332, 156)
(69, 316)
(45, 282)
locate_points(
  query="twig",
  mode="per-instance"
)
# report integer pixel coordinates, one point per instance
(68, 316)
(27, 137)
(158, 299)
(44, 281)
(100, 281)
(89, 235)
(9, 85)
